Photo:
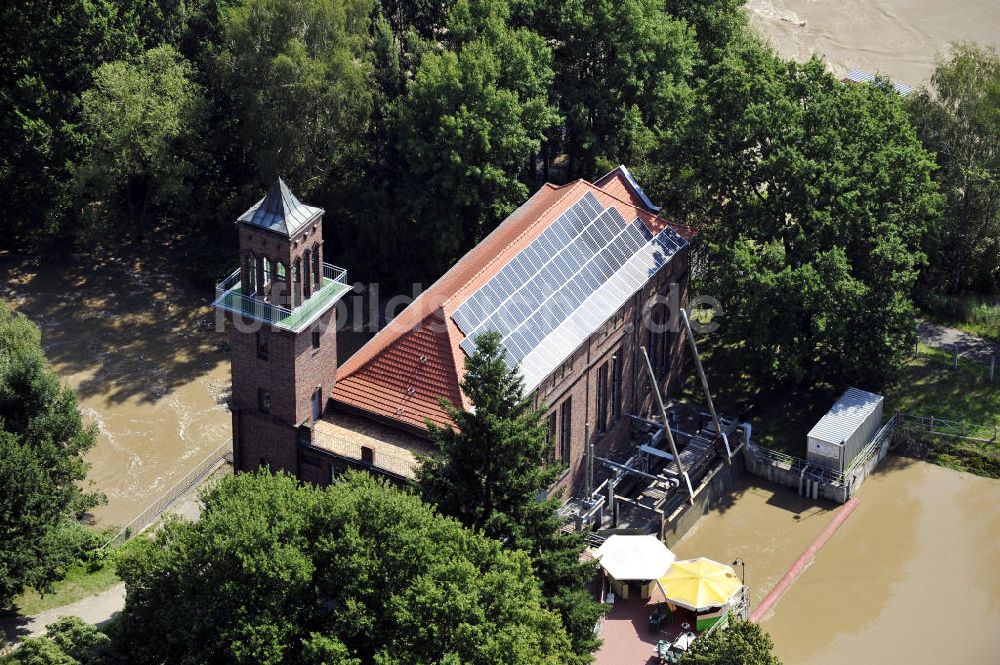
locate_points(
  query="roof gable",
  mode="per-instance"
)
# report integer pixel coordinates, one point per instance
(387, 379)
(280, 211)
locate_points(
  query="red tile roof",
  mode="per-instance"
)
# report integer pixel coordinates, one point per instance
(401, 373)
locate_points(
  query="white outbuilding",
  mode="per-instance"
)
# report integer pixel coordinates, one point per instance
(845, 430)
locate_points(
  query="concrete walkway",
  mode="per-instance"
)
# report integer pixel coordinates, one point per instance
(955, 341)
(95, 609)
(101, 607)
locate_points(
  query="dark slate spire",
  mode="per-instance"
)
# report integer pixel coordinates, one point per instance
(280, 211)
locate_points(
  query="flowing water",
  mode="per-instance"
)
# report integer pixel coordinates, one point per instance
(899, 38)
(149, 370)
(911, 576)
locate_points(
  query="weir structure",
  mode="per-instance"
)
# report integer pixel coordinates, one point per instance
(668, 474)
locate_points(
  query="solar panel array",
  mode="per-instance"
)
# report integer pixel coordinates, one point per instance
(541, 287)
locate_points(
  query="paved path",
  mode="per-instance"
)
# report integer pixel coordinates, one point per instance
(103, 606)
(92, 609)
(956, 341)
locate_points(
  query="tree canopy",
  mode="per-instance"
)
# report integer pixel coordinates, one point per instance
(814, 199)
(473, 115)
(140, 118)
(42, 442)
(492, 468)
(958, 117)
(740, 643)
(278, 572)
(424, 124)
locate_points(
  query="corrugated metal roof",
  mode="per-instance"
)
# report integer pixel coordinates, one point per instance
(846, 415)
(280, 211)
(861, 76)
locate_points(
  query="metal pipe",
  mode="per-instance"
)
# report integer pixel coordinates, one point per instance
(628, 469)
(666, 426)
(701, 373)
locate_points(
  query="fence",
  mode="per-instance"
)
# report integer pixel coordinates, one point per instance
(192, 478)
(953, 428)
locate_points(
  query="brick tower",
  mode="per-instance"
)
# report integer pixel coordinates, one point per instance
(279, 310)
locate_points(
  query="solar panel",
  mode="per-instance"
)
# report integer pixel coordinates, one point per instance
(563, 285)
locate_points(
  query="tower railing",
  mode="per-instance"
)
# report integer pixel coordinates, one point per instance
(230, 297)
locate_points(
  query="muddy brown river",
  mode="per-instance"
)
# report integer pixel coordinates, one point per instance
(897, 37)
(911, 577)
(148, 369)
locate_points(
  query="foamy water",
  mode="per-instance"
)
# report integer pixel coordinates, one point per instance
(899, 38)
(148, 373)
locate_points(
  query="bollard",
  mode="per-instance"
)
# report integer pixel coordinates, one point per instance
(993, 367)
(956, 360)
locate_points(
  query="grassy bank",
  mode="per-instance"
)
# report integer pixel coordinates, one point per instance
(82, 580)
(982, 459)
(929, 385)
(975, 315)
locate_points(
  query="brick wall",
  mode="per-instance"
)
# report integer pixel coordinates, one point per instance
(259, 440)
(291, 373)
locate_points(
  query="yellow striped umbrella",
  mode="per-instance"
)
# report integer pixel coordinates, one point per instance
(698, 584)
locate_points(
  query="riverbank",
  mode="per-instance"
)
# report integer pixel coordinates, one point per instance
(139, 347)
(91, 591)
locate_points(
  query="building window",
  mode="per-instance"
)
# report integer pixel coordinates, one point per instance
(550, 436)
(261, 345)
(602, 397)
(264, 400)
(315, 339)
(316, 267)
(616, 385)
(651, 337)
(566, 415)
(666, 340)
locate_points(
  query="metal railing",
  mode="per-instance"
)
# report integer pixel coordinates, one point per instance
(792, 463)
(228, 296)
(190, 479)
(953, 428)
(873, 447)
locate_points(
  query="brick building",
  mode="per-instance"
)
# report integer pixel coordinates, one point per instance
(576, 280)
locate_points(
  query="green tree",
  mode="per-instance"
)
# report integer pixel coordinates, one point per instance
(299, 82)
(740, 643)
(716, 24)
(958, 118)
(475, 113)
(68, 641)
(622, 74)
(492, 468)
(42, 442)
(140, 118)
(814, 198)
(49, 56)
(278, 572)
